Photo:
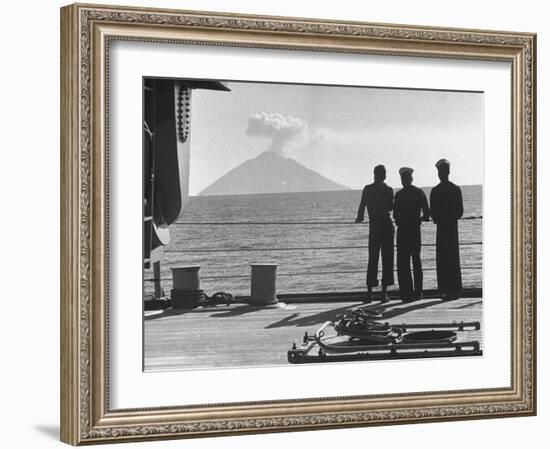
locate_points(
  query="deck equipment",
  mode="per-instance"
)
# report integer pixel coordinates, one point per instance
(357, 336)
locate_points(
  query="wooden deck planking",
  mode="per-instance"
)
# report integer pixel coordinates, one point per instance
(241, 335)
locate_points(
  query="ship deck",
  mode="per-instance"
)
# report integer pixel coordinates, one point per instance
(240, 335)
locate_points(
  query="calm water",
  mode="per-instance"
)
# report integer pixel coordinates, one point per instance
(313, 255)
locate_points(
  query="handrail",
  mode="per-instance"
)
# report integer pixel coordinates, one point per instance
(288, 223)
(290, 248)
(319, 248)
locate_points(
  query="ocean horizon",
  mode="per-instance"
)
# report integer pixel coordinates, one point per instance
(347, 189)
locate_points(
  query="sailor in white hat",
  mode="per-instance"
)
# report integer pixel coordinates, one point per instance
(410, 208)
(446, 208)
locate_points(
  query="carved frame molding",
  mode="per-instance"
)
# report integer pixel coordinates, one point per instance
(87, 31)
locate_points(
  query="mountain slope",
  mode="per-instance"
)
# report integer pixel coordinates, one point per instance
(270, 173)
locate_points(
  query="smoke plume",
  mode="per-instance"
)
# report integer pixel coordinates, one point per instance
(282, 130)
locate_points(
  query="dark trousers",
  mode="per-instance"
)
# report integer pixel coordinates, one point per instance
(408, 248)
(380, 241)
(449, 276)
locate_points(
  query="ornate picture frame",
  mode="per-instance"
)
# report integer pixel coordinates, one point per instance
(87, 31)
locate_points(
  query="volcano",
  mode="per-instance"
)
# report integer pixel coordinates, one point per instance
(270, 173)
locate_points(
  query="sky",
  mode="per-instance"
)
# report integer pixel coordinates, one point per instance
(340, 132)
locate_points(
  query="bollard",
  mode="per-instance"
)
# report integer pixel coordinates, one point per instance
(186, 278)
(263, 289)
(186, 292)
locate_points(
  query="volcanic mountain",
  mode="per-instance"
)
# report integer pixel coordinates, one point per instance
(270, 173)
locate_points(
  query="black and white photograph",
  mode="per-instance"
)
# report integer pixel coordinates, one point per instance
(235, 224)
(289, 224)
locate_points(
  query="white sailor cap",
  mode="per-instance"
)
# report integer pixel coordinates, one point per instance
(441, 162)
(405, 171)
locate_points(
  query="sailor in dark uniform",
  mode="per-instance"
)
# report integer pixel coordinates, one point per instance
(410, 208)
(446, 209)
(378, 199)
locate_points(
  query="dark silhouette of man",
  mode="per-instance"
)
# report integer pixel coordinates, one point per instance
(410, 208)
(378, 199)
(446, 209)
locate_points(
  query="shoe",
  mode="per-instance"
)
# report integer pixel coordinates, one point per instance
(368, 299)
(417, 296)
(384, 298)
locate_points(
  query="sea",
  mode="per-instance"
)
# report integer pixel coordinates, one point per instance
(311, 236)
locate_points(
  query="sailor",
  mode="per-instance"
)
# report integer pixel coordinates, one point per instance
(410, 208)
(446, 209)
(378, 199)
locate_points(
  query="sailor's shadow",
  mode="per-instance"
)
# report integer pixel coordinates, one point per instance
(388, 313)
(309, 320)
(465, 306)
(386, 310)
